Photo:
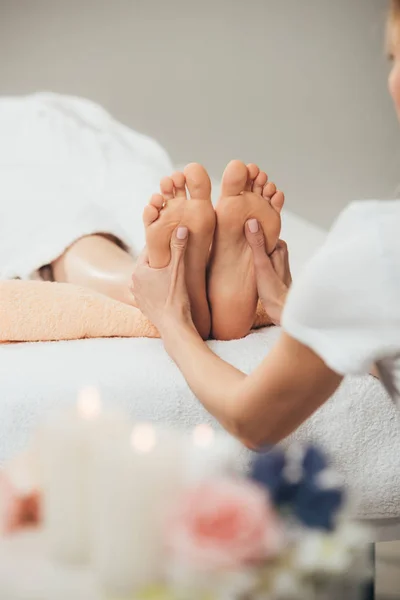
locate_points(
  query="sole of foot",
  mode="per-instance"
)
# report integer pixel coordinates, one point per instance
(173, 207)
(246, 194)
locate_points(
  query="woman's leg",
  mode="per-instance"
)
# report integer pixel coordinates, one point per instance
(97, 262)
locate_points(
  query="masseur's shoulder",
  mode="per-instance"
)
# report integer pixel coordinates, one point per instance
(351, 260)
(360, 214)
(388, 225)
(370, 226)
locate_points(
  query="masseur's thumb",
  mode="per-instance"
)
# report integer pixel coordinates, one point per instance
(179, 243)
(256, 240)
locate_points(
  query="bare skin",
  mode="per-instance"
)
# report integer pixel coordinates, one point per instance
(99, 263)
(163, 215)
(260, 408)
(232, 288)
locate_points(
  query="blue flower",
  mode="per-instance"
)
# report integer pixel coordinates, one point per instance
(293, 482)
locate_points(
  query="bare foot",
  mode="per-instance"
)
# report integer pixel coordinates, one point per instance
(232, 291)
(172, 208)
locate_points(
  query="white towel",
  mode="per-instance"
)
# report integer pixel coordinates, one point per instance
(359, 426)
(68, 169)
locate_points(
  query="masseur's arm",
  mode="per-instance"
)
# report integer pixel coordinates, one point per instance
(260, 408)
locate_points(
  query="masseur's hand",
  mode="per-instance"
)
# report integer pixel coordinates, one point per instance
(161, 294)
(272, 272)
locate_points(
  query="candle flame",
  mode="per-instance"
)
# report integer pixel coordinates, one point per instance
(143, 438)
(89, 404)
(203, 435)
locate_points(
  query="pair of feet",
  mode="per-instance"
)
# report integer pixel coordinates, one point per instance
(219, 266)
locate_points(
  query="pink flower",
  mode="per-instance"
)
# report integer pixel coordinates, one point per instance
(17, 509)
(222, 525)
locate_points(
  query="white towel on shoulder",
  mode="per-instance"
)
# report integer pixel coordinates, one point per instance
(68, 169)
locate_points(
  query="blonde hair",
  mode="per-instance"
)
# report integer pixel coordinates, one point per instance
(392, 27)
(394, 12)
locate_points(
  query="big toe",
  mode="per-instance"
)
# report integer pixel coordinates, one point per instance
(234, 178)
(198, 181)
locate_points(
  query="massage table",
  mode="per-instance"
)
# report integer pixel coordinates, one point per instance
(359, 426)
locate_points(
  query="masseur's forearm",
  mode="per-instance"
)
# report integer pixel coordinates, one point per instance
(260, 408)
(214, 382)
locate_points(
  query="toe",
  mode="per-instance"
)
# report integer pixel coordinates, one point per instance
(150, 214)
(167, 188)
(259, 183)
(157, 200)
(234, 178)
(179, 181)
(278, 200)
(252, 172)
(198, 182)
(269, 190)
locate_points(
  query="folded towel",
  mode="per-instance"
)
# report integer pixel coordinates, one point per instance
(33, 311)
(68, 169)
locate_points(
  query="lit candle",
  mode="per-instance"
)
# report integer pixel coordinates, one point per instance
(210, 455)
(136, 483)
(66, 445)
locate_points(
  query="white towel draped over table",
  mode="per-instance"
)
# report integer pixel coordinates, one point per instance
(359, 427)
(68, 169)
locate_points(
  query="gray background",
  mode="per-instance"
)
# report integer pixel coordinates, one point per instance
(298, 86)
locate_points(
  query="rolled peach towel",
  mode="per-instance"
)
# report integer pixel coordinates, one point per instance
(37, 311)
(33, 311)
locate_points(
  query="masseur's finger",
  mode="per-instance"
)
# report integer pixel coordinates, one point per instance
(178, 248)
(256, 240)
(178, 243)
(280, 262)
(271, 289)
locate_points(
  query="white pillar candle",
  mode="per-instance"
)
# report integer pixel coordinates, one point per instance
(210, 454)
(66, 445)
(136, 484)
